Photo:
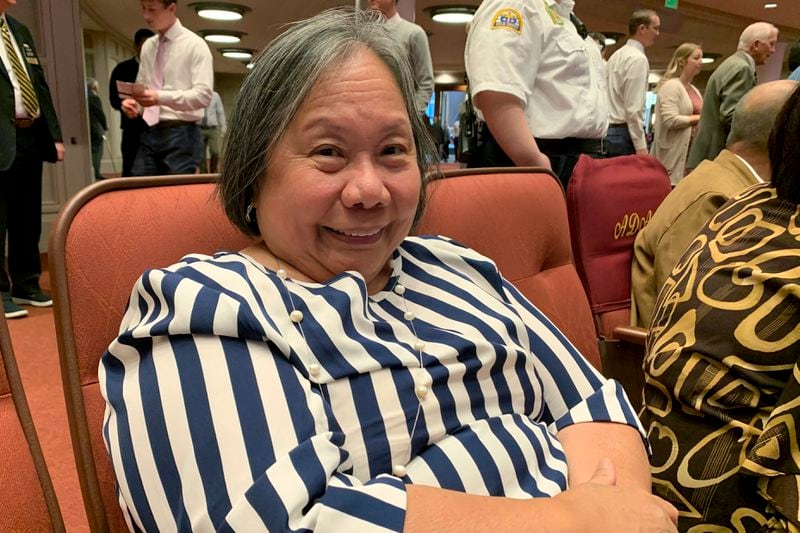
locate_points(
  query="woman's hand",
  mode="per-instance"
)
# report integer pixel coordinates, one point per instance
(599, 505)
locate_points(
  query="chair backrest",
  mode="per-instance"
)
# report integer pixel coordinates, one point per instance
(27, 499)
(518, 218)
(609, 201)
(95, 258)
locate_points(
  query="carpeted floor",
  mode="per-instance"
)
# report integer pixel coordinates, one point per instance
(34, 340)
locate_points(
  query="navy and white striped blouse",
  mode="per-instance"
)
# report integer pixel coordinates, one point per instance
(224, 414)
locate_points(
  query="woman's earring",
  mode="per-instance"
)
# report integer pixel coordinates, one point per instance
(248, 215)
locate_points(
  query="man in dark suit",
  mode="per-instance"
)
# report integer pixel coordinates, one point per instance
(132, 128)
(30, 135)
(726, 86)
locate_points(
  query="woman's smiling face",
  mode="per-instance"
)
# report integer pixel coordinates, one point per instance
(342, 187)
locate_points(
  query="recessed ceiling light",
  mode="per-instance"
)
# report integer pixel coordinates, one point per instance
(706, 60)
(770, 6)
(453, 14)
(242, 54)
(219, 10)
(249, 66)
(222, 39)
(221, 36)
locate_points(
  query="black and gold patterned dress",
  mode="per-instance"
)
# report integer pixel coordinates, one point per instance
(722, 393)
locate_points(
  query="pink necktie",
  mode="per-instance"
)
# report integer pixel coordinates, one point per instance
(151, 113)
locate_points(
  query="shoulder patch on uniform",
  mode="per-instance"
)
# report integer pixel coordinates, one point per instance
(507, 19)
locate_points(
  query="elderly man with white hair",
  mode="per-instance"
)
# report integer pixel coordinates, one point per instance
(726, 86)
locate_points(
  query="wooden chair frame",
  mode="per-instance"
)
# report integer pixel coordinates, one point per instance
(70, 374)
(28, 427)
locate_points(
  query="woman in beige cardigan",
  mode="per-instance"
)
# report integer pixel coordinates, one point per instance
(677, 110)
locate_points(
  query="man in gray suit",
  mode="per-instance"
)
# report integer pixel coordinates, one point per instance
(726, 86)
(415, 41)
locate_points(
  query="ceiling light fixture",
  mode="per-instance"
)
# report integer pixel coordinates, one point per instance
(221, 36)
(241, 54)
(710, 57)
(770, 6)
(219, 10)
(453, 14)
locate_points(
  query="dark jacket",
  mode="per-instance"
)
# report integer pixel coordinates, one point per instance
(97, 119)
(47, 128)
(124, 71)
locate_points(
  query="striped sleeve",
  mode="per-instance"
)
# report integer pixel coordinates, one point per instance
(208, 430)
(574, 391)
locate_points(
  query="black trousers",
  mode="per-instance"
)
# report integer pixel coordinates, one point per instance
(129, 147)
(21, 214)
(174, 149)
(491, 155)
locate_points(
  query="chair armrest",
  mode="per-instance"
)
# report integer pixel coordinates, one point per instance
(631, 334)
(623, 360)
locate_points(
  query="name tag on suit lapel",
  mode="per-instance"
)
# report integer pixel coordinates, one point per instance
(29, 54)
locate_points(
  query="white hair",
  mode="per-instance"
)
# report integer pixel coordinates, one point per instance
(757, 31)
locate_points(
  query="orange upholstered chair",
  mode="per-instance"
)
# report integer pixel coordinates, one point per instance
(518, 218)
(609, 201)
(27, 499)
(103, 240)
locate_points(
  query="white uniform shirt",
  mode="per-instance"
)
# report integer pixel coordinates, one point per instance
(627, 85)
(188, 74)
(529, 48)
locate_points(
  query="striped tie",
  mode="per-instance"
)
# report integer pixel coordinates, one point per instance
(29, 101)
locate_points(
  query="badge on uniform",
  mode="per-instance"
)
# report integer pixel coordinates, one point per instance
(29, 54)
(554, 16)
(507, 19)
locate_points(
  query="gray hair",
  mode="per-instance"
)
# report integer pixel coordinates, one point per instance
(282, 77)
(756, 113)
(757, 31)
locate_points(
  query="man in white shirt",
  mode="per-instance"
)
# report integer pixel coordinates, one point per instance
(212, 128)
(415, 41)
(539, 86)
(628, 69)
(177, 70)
(682, 214)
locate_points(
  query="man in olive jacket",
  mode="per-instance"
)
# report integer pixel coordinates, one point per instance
(726, 86)
(30, 135)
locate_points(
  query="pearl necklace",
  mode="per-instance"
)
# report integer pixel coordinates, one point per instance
(420, 390)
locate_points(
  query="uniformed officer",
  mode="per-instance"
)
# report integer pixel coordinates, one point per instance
(539, 86)
(29, 135)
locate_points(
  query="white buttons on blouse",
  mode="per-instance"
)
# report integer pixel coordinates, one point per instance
(296, 316)
(399, 470)
(421, 391)
(313, 369)
(419, 346)
(281, 273)
(408, 315)
(399, 289)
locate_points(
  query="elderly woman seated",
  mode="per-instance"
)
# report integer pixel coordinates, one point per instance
(340, 375)
(722, 394)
